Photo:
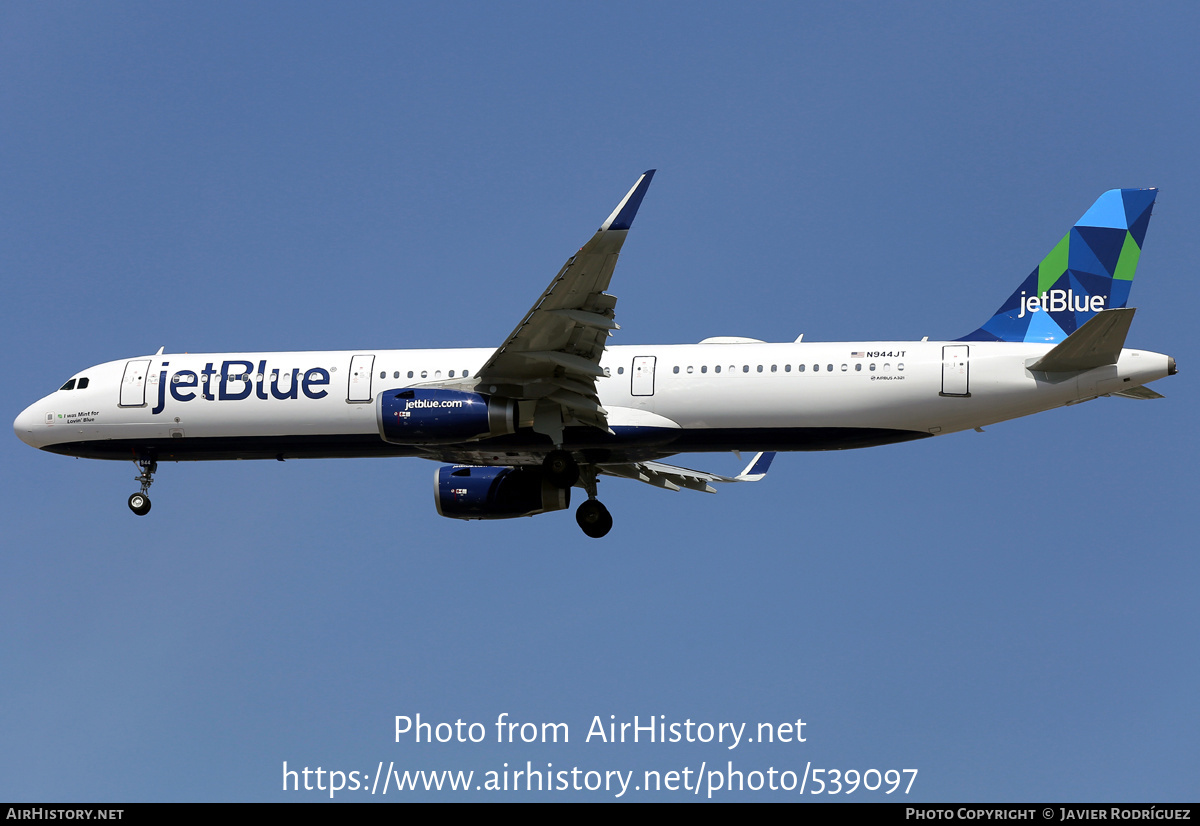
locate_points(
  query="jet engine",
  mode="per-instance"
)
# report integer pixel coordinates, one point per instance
(431, 416)
(495, 492)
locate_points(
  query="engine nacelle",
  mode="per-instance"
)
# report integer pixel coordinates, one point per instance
(495, 492)
(415, 416)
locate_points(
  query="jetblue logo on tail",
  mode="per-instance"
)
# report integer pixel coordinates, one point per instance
(1089, 270)
(1058, 301)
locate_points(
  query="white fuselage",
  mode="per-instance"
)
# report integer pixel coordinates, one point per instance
(709, 396)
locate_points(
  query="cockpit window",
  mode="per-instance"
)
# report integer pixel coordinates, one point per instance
(69, 385)
(83, 382)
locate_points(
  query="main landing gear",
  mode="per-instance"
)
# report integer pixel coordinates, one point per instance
(139, 503)
(560, 469)
(592, 517)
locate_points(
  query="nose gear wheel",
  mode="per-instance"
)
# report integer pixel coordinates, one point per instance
(139, 503)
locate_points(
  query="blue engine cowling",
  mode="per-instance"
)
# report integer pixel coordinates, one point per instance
(415, 416)
(495, 492)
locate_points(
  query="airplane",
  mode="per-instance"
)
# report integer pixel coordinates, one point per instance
(555, 407)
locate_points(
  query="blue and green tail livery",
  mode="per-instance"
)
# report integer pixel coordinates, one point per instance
(1089, 270)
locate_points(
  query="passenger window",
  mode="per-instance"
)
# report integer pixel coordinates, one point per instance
(69, 385)
(872, 367)
(899, 366)
(760, 368)
(437, 374)
(816, 368)
(858, 367)
(451, 374)
(396, 375)
(703, 368)
(689, 368)
(424, 374)
(799, 368)
(675, 369)
(845, 367)
(829, 368)
(774, 368)
(717, 369)
(745, 368)
(620, 371)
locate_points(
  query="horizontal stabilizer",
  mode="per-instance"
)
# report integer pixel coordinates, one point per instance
(1139, 393)
(1096, 343)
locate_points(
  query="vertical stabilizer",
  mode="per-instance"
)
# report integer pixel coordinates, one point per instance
(1089, 270)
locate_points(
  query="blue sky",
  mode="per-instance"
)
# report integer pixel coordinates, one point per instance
(1013, 613)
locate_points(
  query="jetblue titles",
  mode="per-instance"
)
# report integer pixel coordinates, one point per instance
(1057, 301)
(236, 379)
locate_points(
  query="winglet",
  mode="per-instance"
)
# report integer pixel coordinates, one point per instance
(757, 468)
(622, 216)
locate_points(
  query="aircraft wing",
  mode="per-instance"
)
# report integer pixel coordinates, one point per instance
(674, 478)
(552, 359)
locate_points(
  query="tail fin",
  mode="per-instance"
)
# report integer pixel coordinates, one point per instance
(1089, 270)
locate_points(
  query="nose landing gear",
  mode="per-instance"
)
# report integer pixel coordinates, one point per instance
(139, 503)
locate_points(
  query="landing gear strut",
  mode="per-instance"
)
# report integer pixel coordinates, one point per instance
(139, 503)
(593, 518)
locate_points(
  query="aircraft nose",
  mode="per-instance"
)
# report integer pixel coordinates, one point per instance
(27, 423)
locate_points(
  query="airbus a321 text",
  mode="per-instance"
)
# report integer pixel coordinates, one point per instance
(555, 407)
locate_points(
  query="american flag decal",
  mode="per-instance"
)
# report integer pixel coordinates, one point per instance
(858, 354)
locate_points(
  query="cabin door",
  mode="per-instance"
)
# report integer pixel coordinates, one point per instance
(956, 370)
(133, 383)
(359, 390)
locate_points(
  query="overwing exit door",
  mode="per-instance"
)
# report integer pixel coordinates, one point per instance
(643, 376)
